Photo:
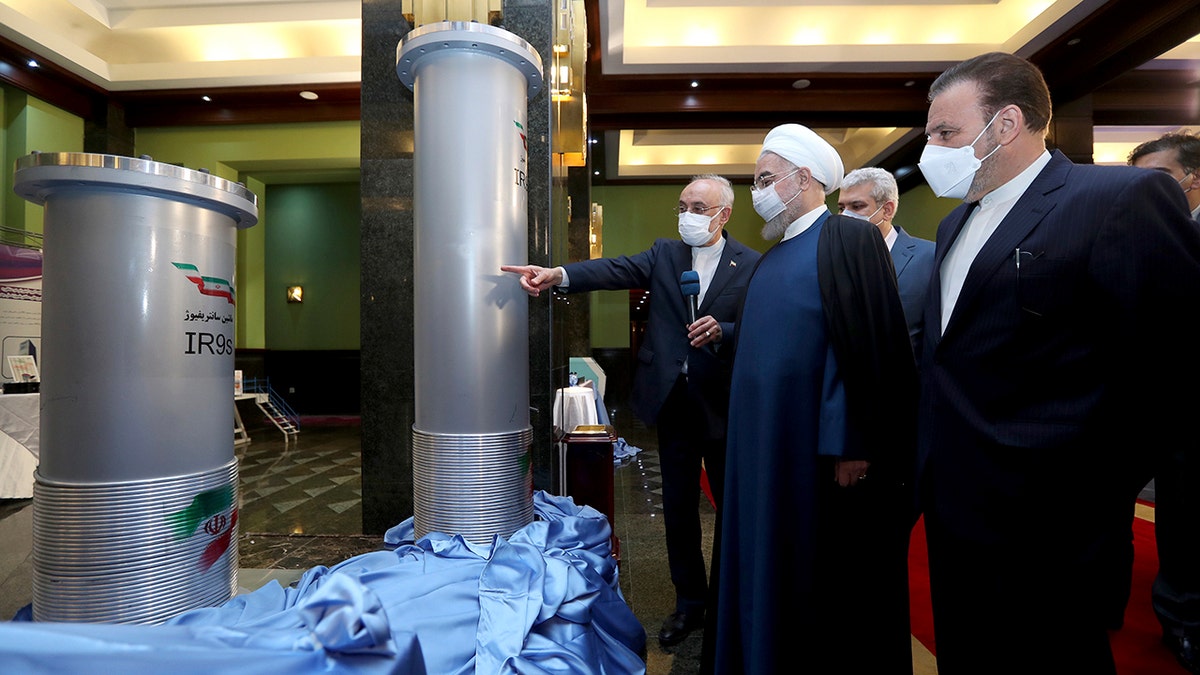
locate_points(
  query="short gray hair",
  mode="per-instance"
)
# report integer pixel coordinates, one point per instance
(883, 183)
(726, 186)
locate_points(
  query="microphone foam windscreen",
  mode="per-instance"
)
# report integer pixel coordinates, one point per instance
(689, 282)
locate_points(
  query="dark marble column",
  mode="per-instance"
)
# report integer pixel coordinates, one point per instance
(533, 21)
(387, 261)
(576, 321)
(386, 272)
(106, 132)
(1071, 130)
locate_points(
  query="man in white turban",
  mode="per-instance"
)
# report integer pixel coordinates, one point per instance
(803, 147)
(811, 549)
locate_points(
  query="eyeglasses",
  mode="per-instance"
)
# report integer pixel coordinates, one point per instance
(766, 181)
(698, 210)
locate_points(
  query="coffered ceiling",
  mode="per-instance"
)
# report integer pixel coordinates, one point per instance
(673, 86)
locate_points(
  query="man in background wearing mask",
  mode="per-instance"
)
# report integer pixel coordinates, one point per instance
(813, 539)
(1176, 591)
(871, 193)
(682, 381)
(1178, 156)
(1059, 345)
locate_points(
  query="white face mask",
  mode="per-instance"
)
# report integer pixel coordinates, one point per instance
(950, 171)
(693, 227)
(848, 212)
(767, 203)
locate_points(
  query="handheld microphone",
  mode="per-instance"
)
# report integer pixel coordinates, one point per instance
(689, 284)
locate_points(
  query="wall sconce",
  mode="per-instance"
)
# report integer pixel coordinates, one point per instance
(295, 294)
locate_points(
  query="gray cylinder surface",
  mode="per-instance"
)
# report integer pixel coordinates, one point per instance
(470, 207)
(137, 453)
(470, 84)
(137, 315)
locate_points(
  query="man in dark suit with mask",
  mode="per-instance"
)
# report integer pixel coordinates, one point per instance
(682, 381)
(871, 193)
(1059, 345)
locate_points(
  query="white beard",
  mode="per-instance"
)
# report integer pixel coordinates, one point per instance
(774, 228)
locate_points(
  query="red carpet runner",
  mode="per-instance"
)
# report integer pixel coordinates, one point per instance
(1137, 647)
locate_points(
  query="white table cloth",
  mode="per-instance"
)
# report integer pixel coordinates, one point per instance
(19, 432)
(574, 406)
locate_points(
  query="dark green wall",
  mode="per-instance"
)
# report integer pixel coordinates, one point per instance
(312, 239)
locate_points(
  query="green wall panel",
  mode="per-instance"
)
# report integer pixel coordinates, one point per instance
(32, 124)
(312, 240)
(257, 155)
(920, 212)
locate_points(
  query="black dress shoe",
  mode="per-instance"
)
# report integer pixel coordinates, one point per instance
(677, 626)
(1186, 649)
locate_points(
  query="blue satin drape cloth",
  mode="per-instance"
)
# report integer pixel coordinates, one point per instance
(546, 600)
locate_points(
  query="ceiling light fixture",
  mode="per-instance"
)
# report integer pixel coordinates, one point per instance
(695, 84)
(308, 95)
(801, 84)
(33, 63)
(1073, 41)
(206, 98)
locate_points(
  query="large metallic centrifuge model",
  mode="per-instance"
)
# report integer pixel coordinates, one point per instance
(471, 434)
(135, 496)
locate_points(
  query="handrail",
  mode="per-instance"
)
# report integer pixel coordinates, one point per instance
(262, 385)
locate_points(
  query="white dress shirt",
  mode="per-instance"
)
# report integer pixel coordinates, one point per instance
(704, 261)
(891, 237)
(979, 227)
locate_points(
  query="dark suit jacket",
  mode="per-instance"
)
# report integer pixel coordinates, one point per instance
(913, 260)
(661, 355)
(1051, 374)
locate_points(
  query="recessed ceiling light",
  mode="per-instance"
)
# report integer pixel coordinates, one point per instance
(206, 98)
(308, 95)
(801, 84)
(595, 173)
(695, 84)
(33, 64)
(1073, 41)
(910, 83)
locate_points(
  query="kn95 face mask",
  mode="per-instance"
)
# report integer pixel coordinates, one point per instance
(950, 171)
